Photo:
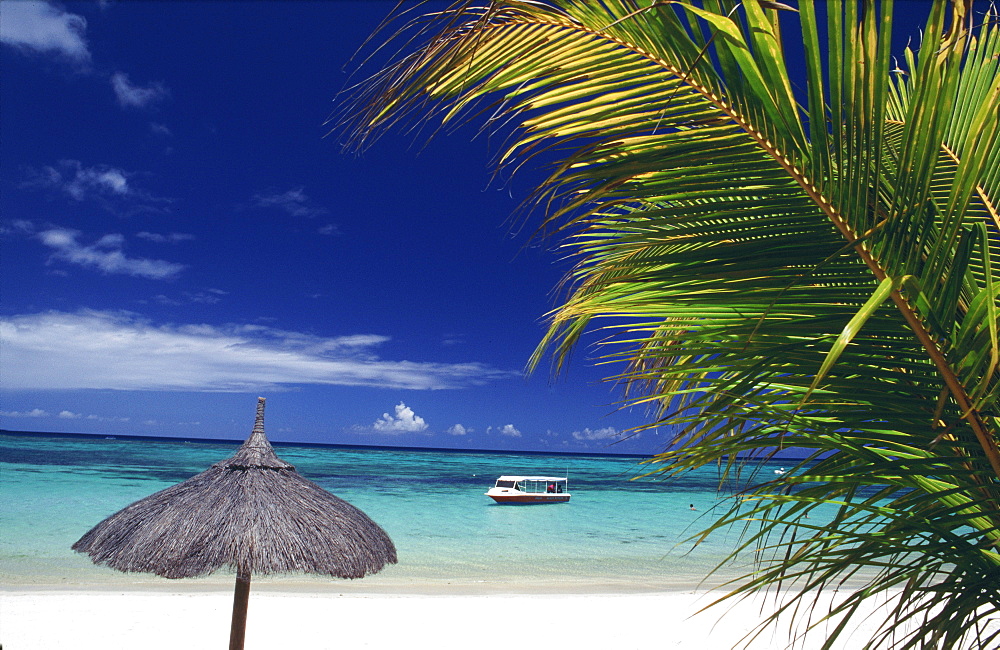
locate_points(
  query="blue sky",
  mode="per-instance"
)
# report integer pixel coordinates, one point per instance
(180, 235)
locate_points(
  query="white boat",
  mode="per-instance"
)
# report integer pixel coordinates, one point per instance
(530, 489)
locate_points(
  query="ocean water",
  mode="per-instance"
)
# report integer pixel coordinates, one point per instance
(618, 531)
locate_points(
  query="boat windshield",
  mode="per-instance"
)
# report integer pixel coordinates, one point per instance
(506, 484)
(536, 486)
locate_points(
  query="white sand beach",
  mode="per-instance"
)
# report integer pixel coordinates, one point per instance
(154, 620)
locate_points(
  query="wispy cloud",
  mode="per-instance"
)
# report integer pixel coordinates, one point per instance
(18, 227)
(596, 434)
(109, 186)
(79, 182)
(404, 421)
(132, 95)
(65, 414)
(293, 202)
(170, 238)
(105, 255)
(43, 28)
(206, 297)
(102, 350)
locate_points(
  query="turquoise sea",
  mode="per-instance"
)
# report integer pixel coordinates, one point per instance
(618, 531)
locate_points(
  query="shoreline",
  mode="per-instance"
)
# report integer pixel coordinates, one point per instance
(77, 573)
(444, 589)
(394, 580)
(220, 582)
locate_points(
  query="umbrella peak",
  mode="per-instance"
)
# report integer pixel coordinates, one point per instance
(256, 452)
(258, 425)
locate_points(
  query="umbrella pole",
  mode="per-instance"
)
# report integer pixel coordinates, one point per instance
(240, 598)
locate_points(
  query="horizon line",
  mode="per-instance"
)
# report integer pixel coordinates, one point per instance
(109, 436)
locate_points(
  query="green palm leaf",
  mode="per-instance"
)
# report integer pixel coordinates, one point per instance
(816, 271)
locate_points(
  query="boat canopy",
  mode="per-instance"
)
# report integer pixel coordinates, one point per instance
(532, 478)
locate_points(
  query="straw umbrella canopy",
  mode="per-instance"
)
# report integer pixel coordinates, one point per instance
(252, 512)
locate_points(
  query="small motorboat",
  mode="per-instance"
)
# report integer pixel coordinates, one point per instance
(530, 489)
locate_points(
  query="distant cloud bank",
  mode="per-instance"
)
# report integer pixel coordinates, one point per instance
(120, 351)
(63, 415)
(33, 413)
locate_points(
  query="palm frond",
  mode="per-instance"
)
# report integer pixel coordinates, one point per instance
(774, 269)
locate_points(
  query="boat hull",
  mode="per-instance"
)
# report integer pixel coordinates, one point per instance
(522, 498)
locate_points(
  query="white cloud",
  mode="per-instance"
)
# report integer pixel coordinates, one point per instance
(69, 415)
(105, 255)
(43, 28)
(596, 434)
(509, 430)
(102, 350)
(33, 413)
(132, 96)
(405, 421)
(458, 430)
(294, 202)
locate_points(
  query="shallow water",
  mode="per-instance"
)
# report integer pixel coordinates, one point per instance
(615, 532)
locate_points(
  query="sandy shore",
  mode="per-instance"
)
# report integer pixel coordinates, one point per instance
(41, 620)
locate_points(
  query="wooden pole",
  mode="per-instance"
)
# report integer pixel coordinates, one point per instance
(240, 598)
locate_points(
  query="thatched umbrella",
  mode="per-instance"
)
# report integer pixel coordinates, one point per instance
(252, 512)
